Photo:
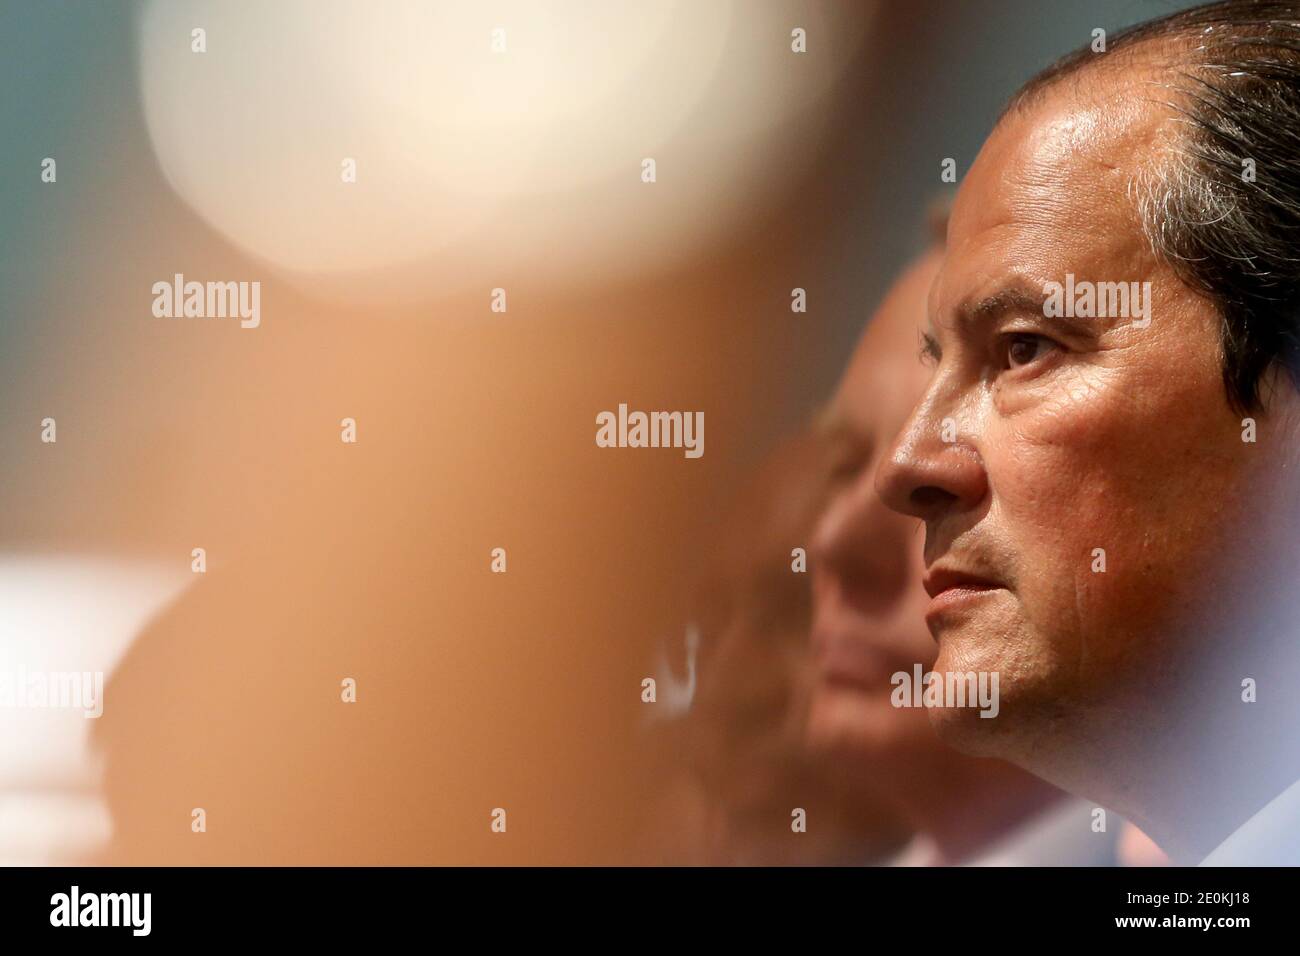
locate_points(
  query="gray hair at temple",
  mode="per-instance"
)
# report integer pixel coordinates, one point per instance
(1235, 78)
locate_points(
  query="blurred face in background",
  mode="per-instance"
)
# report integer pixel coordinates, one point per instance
(744, 737)
(868, 603)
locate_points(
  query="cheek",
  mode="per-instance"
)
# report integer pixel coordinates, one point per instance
(1050, 484)
(1101, 489)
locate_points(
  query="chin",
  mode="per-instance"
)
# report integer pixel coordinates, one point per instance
(862, 730)
(1030, 698)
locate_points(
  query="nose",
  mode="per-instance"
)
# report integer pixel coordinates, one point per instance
(932, 469)
(861, 547)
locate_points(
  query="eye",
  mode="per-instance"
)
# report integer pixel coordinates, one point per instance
(930, 352)
(1025, 348)
(847, 464)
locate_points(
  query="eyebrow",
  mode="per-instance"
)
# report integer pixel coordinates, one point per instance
(1019, 298)
(1013, 299)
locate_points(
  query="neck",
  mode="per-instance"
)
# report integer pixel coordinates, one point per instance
(1201, 786)
(1193, 757)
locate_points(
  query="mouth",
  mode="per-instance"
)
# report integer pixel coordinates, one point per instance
(851, 664)
(951, 589)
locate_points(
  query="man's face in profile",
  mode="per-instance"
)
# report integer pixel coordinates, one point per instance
(1081, 479)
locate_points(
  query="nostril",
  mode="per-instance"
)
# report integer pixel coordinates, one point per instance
(929, 498)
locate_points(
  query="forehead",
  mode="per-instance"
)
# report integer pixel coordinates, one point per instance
(1052, 190)
(885, 376)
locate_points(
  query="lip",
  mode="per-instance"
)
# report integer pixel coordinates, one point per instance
(847, 661)
(952, 588)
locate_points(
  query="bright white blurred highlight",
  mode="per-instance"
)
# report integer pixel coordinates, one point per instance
(65, 613)
(470, 162)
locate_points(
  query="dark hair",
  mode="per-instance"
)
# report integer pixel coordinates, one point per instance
(1235, 72)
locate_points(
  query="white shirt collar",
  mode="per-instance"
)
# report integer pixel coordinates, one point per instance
(1270, 838)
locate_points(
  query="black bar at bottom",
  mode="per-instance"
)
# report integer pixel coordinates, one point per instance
(961, 905)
